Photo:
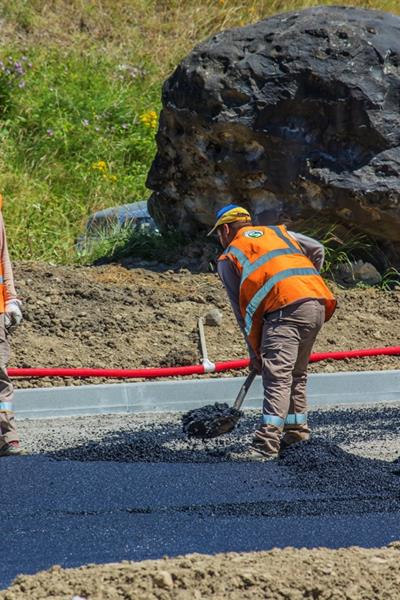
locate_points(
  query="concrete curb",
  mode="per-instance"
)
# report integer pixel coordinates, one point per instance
(324, 390)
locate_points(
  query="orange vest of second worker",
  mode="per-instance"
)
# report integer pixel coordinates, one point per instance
(274, 272)
(2, 290)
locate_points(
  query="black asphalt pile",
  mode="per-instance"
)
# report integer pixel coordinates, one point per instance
(155, 443)
(357, 484)
(211, 420)
(371, 432)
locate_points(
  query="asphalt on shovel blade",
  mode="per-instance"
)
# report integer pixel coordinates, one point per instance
(211, 420)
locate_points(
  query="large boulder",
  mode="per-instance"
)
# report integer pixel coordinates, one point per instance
(295, 116)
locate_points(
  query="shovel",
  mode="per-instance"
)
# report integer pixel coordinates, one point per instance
(215, 419)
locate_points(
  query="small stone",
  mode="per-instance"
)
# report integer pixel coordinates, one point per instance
(367, 273)
(214, 317)
(378, 560)
(357, 272)
(163, 579)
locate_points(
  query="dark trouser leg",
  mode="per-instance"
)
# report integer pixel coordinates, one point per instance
(296, 428)
(279, 352)
(8, 432)
(287, 336)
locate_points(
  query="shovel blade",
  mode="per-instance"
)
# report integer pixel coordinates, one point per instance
(210, 421)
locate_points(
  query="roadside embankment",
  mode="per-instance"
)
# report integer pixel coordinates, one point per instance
(288, 574)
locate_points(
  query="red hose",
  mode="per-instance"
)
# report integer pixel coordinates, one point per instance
(317, 356)
(116, 373)
(189, 370)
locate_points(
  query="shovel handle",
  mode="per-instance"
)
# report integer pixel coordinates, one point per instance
(244, 389)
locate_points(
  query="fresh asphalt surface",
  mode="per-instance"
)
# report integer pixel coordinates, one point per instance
(65, 506)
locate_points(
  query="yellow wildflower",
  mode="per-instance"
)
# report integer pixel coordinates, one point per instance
(149, 119)
(108, 177)
(100, 165)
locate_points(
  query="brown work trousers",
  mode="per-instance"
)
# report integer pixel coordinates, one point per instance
(287, 340)
(8, 432)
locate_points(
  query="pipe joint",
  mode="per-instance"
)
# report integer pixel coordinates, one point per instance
(209, 367)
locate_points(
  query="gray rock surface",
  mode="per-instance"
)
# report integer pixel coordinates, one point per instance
(296, 116)
(214, 317)
(349, 274)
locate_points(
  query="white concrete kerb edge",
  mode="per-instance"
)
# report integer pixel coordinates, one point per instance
(324, 390)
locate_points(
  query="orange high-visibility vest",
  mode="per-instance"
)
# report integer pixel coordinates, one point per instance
(274, 272)
(2, 290)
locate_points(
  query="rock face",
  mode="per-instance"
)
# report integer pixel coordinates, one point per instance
(294, 117)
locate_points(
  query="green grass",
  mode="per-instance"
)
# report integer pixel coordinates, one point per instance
(73, 142)
(121, 242)
(71, 133)
(341, 246)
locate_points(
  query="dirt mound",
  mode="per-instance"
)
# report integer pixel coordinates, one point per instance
(288, 574)
(111, 316)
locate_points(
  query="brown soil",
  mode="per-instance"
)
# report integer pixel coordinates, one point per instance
(114, 317)
(321, 574)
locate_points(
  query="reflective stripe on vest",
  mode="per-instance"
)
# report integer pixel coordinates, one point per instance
(249, 268)
(1, 279)
(5, 406)
(284, 238)
(266, 288)
(296, 419)
(274, 272)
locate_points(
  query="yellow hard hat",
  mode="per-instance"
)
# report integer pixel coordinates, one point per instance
(230, 214)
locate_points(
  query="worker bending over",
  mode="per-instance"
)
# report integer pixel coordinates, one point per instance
(10, 315)
(280, 302)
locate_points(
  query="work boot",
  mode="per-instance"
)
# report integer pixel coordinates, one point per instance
(253, 455)
(256, 454)
(11, 449)
(292, 434)
(266, 440)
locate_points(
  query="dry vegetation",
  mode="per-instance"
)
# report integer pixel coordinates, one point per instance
(156, 32)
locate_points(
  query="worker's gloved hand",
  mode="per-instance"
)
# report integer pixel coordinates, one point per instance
(255, 364)
(13, 314)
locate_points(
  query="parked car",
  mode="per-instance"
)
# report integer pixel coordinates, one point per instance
(108, 220)
(135, 214)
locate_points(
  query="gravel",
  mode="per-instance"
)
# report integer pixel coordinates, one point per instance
(350, 463)
(370, 432)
